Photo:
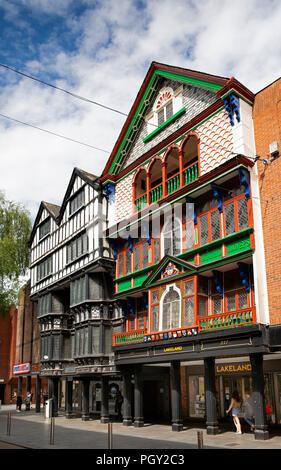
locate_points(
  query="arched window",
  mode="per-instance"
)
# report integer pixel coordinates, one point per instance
(172, 168)
(171, 309)
(172, 237)
(155, 173)
(190, 159)
(140, 189)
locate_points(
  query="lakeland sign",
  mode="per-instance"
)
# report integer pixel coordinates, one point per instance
(234, 368)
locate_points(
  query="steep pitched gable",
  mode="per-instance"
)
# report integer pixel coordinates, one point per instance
(158, 76)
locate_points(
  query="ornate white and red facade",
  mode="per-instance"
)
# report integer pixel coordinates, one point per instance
(185, 228)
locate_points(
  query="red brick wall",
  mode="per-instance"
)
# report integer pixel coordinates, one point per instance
(267, 127)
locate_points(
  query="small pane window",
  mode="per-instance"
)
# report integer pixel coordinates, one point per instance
(230, 302)
(121, 265)
(155, 297)
(136, 258)
(161, 117)
(144, 255)
(156, 250)
(229, 219)
(216, 305)
(242, 299)
(188, 288)
(128, 262)
(204, 232)
(242, 214)
(154, 318)
(188, 311)
(203, 303)
(189, 236)
(215, 224)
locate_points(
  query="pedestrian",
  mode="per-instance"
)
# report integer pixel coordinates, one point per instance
(27, 401)
(249, 410)
(18, 402)
(235, 407)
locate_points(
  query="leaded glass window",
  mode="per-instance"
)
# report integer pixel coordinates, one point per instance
(172, 237)
(229, 218)
(128, 262)
(137, 258)
(230, 302)
(154, 318)
(204, 231)
(215, 225)
(121, 265)
(188, 311)
(189, 236)
(156, 250)
(242, 213)
(144, 255)
(171, 310)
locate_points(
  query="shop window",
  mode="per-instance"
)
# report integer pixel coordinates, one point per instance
(196, 397)
(171, 309)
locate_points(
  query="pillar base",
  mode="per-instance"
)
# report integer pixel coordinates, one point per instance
(138, 423)
(177, 427)
(261, 434)
(127, 422)
(212, 430)
(104, 419)
(69, 415)
(85, 417)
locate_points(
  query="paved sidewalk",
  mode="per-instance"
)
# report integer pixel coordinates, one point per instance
(32, 430)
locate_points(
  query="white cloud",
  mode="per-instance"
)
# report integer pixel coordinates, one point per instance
(103, 53)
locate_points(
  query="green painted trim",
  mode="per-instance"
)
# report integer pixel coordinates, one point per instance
(109, 181)
(189, 254)
(178, 199)
(194, 81)
(165, 124)
(132, 122)
(181, 78)
(174, 142)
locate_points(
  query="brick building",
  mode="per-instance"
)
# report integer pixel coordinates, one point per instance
(267, 126)
(8, 383)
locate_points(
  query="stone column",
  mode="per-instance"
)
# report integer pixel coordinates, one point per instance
(104, 399)
(20, 385)
(38, 394)
(210, 396)
(127, 395)
(68, 398)
(261, 427)
(138, 395)
(28, 383)
(85, 399)
(177, 424)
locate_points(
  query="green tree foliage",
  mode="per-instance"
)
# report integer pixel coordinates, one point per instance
(15, 229)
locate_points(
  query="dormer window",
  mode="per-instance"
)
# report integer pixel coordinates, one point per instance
(167, 107)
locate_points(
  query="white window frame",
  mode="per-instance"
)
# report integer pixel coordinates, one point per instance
(168, 287)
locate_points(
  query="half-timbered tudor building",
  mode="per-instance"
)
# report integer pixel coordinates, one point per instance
(185, 227)
(71, 269)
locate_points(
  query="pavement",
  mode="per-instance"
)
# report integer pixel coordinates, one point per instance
(31, 430)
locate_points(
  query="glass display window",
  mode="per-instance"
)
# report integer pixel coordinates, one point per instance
(196, 396)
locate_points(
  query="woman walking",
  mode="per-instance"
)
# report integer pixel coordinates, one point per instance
(235, 406)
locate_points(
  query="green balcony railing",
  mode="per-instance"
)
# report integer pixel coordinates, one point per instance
(141, 202)
(173, 184)
(129, 337)
(228, 320)
(191, 173)
(156, 193)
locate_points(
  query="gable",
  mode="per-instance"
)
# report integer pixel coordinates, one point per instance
(188, 102)
(134, 126)
(168, 269)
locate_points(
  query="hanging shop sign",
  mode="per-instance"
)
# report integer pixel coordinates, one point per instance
(21, 368)
(239, 367)
(171, 335)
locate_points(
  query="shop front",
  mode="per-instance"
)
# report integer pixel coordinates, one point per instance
(229, 376)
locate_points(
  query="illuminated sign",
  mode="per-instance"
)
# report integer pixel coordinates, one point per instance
(21, 368)
(177, 348)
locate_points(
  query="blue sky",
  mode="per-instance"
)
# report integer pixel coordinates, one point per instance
(102, 50)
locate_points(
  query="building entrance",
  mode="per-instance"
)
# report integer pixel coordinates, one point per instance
(2, 393)
(241, 384)
(154, 406)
